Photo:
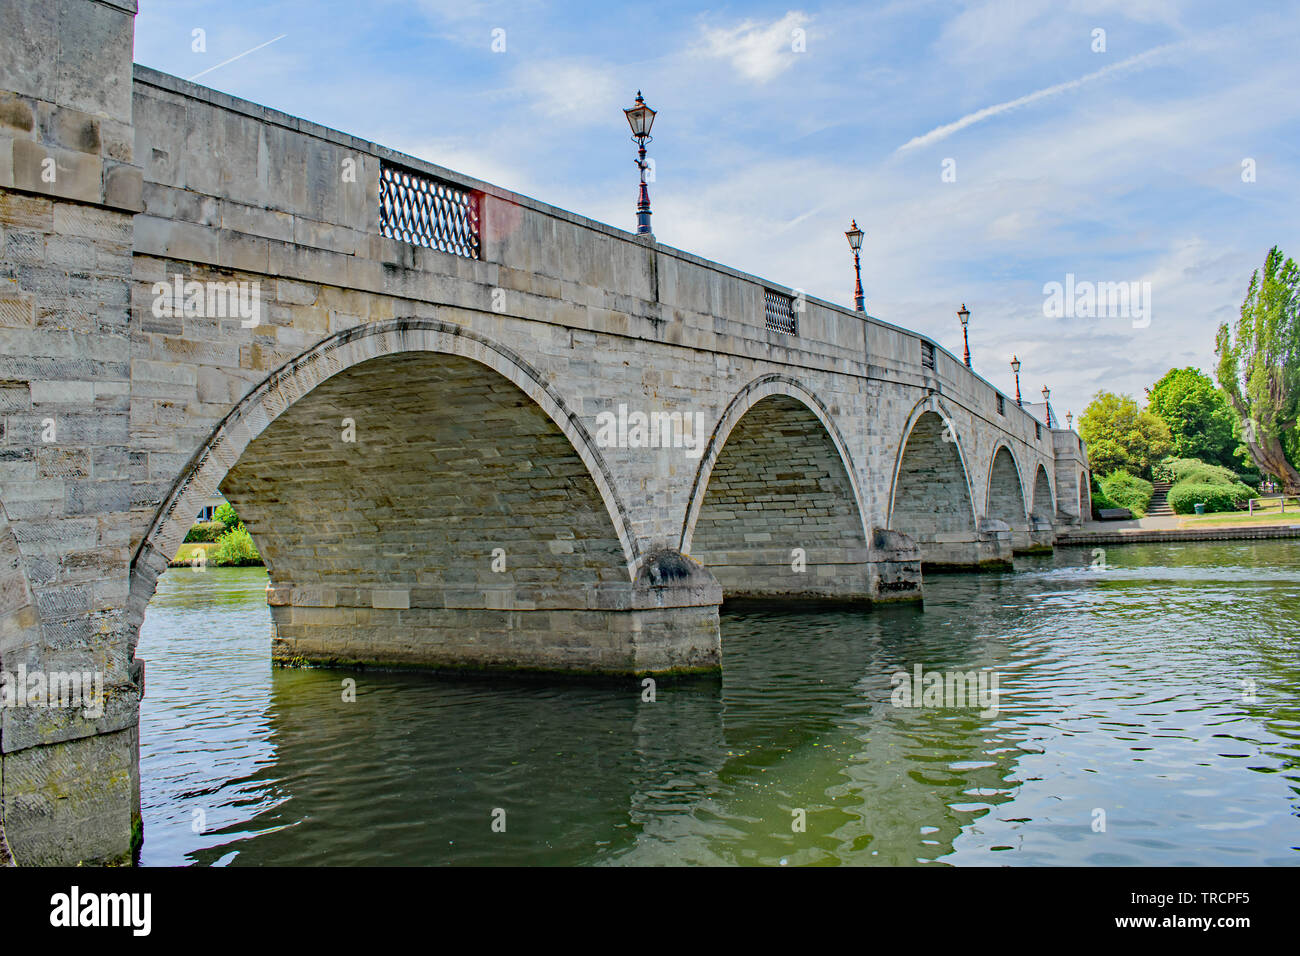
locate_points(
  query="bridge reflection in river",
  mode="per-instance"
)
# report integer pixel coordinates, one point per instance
(1121, 690)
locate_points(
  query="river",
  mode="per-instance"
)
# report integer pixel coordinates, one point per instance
(1148, 713)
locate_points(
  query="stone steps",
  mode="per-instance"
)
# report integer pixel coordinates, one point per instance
(1159, 500)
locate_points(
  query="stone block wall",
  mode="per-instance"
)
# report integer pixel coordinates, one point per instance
(1073, 478)
(69, 190)
(780, 517)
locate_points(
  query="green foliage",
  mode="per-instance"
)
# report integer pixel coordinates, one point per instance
(226, 515)
(1100, 502)
(1198, 415)
(234, 549)
(1127, 491)
(1104, 454)
(1178, 467)
(1195, 472)
(205, 531)
(1259, 366)
(1122, 436)
(1216, 497)
(1218, 488)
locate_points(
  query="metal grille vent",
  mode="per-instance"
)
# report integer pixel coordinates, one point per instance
(781, 316)
(429, 212)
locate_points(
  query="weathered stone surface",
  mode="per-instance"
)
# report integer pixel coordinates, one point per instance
(69, 787)
(74, 801)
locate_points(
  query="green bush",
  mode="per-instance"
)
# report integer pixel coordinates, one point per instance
(1184, 496)
(1191, 471)
(1127, 491)
(234, 549)
(1177, 465)
(205, 531)
(226, 515)
(1163, 471)
(1207, 475)
(1200, 472)
(1098, 497)
(1100, 502)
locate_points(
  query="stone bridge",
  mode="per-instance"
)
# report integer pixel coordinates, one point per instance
(466, 429)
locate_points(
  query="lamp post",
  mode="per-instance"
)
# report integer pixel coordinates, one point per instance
(964, 314)
(854, 235)
(1069, 420)
(1047, 408)
(641, 117)
(1015, 367)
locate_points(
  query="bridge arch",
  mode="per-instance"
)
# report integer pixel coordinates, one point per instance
(1085, 497)
(290, 425)
(931, 498)
(1044, 501)
(1004, 496)
(775, 509)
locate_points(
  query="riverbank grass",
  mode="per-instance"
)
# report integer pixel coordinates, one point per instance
(234, 549)
(188, 552)
(1241, 519)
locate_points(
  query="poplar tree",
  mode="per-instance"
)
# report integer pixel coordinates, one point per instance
(1259, 368)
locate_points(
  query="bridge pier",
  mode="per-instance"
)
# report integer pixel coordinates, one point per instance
(665, 623)
(960, 551)
(888, 572)
(1039, 539)
(894, 568)
(69, 192)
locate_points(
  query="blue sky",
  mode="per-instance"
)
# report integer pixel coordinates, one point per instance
(1122, 165)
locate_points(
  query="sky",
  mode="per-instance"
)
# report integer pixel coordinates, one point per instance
(987, 148)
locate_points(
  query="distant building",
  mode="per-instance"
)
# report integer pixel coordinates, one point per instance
(209, 510)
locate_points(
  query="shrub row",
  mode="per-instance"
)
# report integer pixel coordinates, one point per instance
(1127, 491)
(1175, 470)
(1199, 473)
(205, 531)
(1198, 482)
(1216, 496)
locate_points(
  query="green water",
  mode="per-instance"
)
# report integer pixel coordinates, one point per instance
(1148, 714)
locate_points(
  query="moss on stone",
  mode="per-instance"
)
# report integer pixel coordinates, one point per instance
(511, 671)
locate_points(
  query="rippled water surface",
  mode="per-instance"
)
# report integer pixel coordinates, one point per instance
(1148, 714)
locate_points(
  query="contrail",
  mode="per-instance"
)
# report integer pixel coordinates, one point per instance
(943, 132)
(234, 58)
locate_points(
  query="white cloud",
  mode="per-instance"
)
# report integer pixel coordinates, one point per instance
(1013, 225)
(994, 32)
(758, 52)
(572, 91)
(451, 9)
(1143, 11)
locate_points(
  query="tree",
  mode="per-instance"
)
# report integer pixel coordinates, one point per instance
(1259, 368)
(1122, 436)
(226, 515)
(1198, 415)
